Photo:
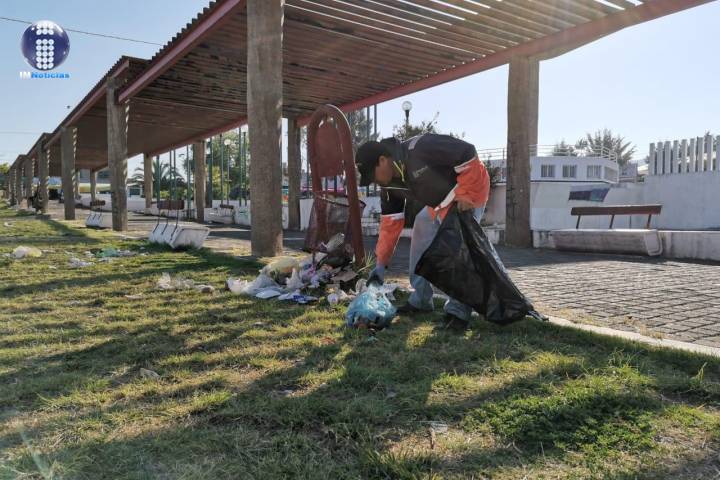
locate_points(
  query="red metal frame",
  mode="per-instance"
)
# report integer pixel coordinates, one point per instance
(345, 147)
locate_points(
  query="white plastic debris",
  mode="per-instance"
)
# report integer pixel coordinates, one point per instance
(7, 224)
(166, 282)
(244, 287)
(294, 282)
(145, 373)
(268, 293)
(26, 252)
(77, 263)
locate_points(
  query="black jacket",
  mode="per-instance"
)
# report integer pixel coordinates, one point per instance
(429, 163)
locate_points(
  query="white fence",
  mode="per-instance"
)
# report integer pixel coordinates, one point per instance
(698, 154)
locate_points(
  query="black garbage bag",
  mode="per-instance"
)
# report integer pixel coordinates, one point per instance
(463, 263)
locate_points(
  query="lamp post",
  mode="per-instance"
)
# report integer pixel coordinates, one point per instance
(407, 106)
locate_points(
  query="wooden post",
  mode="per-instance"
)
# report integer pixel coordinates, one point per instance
(117, 155)
(523, 85)
(294, 174)
(43, 176)
(264, 101)
(11, 186)
(147, 179)
(18, 184)
(93, 185)
(29, 174)
(200, 180)
(67, 159)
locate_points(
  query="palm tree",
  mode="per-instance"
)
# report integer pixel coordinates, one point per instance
(166, 176)
(604, 141)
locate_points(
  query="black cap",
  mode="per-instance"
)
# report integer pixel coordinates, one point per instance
(366, 159)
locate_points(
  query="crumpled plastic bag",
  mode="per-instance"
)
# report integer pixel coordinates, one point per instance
(244, 287)
(26, 252)
(280, 268)
(111, 252)
(370, 309)
(294, 282)
(297, 297)
(166, 282)
(77, 263)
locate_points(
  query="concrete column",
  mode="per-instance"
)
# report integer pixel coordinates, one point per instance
(701, 154)
(294, 174)
(93, 185)
(200, 180)
(683, 156)
(717, 153)
(693, 160)
(43, 176)
(147, 179)
(29, 174)
(67, 159)
(709, 151)
(264, 101)
(667, 161)
(76, 183)
(117, 155)
(523, 90)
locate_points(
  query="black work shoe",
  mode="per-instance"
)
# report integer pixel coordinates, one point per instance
(409, 309)
(455, 324)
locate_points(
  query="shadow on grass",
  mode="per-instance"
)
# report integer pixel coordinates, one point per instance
(328, 403)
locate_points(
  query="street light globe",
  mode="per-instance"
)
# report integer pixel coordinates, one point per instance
(227, 142)
(406, 106)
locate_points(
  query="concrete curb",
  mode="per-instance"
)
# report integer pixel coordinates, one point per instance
(636, 337)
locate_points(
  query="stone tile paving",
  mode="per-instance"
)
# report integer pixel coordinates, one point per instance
(657, 297)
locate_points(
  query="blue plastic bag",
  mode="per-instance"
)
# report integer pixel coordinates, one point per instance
(370, 309)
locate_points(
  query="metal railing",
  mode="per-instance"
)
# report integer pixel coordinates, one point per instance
(495, 154)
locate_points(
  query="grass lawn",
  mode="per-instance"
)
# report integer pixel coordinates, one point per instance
(260, 389)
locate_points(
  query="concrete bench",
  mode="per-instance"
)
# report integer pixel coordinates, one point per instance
(626, 241)
(223, 213)
(99, 219)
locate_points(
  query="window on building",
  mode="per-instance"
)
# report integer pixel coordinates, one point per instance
(594, 171)
(569, 171)
(547, 171)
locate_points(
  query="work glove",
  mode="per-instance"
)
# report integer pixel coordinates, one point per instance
(377, 275)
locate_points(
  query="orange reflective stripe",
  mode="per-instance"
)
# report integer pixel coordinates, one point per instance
(473, 184)
(390, 229)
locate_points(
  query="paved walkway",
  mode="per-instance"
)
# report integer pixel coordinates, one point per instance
(655, 297)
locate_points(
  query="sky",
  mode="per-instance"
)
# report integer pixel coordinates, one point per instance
(654, 81)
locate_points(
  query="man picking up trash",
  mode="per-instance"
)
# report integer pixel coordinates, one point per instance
(436, 171)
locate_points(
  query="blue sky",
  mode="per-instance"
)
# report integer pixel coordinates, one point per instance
(655, 81)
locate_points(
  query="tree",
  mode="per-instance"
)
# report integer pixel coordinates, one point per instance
(603, 142)
(562, 149)
(166, 177)
(361, 128)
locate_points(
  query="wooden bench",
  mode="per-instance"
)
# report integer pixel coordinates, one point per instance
(97, 203)
(648, 210)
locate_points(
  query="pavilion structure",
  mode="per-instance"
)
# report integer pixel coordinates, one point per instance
(253, 62)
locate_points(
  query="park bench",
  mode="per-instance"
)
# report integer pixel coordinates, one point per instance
(614, 210)
(223, 213)
(97, 218)
(173, 232)
(640, 241)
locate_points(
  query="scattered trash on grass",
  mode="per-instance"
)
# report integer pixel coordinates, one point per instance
(298, 297)
(77, 263)
(243, 287)
(138, 296)
(8, 224)
(26, 252)
(111, 252)
(371, 309)
(145, 373)
(166, 282)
